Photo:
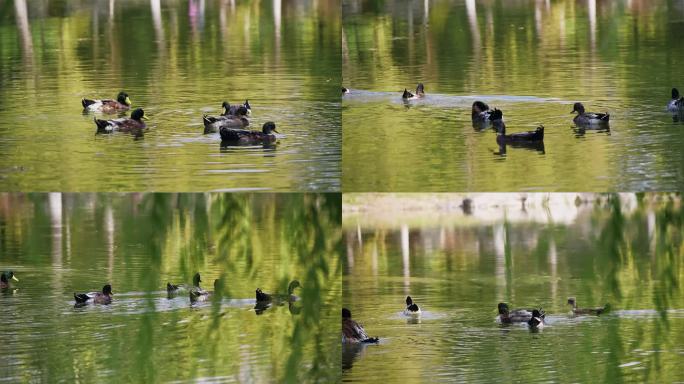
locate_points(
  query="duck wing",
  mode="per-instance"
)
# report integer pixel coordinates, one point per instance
(83, 297)
(602, 117)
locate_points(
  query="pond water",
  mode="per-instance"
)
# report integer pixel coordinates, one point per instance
(622, 250)
(533, 60)
(59, 244)
(178, 60)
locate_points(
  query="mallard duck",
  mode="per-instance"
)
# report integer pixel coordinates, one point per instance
(5, 278)
(243, 136)
(124, 124)
(589, 118)
(196, 292)
(537, 320)
(496, 117)
(515, 316)
(344, 90)
(420, 92)
(238, 120)
(237, 109)
(122, 103)
(676, 104)
(353, 332)
(104, 297)
(266, 297)
(412, 308)
(586, 311)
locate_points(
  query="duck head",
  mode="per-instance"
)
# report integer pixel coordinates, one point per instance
(479, 107)
(248, 107)
(578, 107)
(226, 107)
(420, 89)
(572, 301)
(407, 94)
(138, 115)
(6, 276)
(293, 284)
(196, 280)
(267, 129)
(107, 290)
(123, 98)
(675, 93)
(503, 309)
(346, 314)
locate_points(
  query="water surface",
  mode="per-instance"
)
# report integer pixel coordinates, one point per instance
(59, 244)
(178, 60)
(533, 60)
(457, 267)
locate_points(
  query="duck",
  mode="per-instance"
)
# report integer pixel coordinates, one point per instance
(412, 308)
(353, 332)
(247, 137)
(104, 297)
(196, 292)
(537, 320)
(480, 111)
(236, 120)
(124, 124)
(676, 104)
(586, 311)
(262, 297)
(5, 278)
(515, 316)
(496, 117)
(232, 110)
(345, 90)
(420, 93)
(122, 103)
(588, 118)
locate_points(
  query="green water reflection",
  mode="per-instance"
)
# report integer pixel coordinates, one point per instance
(58, 244)
(178, 60)
(625, 250)
(532, 59)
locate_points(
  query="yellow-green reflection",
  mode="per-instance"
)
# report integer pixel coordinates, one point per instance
(178, 60)
(526, 250)
(58, 244)
(532, 59)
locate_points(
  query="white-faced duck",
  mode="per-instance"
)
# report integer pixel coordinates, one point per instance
(496, 117)
(537, 320)
(584, 118)
(104, 297)
(586, 311)
(353, 332)
(6, 279)
(412, 308)
(507, 316)
(420, 92)
(122, 103)
(262, 297)
(246, 137)
(676, 104)
(124, 124)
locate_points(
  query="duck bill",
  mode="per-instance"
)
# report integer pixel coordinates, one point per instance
(276, 131)
(145, 118)
(15, 279)
(128, 101)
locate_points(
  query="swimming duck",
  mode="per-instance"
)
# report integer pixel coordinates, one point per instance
(353, 332)
(5, 278)
(233, 110)
(676, 104)
(586, 311)
(237, 120)
(122, 103)
(420, 92)
(412, 308)
(196, 292)
(266, 297)
(124, 124)
(537, 320)
(243, 136)
(589, 118)
(515, 316)
(496, 117)
(104, 297)
(344, 90)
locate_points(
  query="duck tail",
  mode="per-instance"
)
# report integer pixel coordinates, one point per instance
(101, 124)
(208, 120)
(87, 102)
(606, 117)
(80, 297)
